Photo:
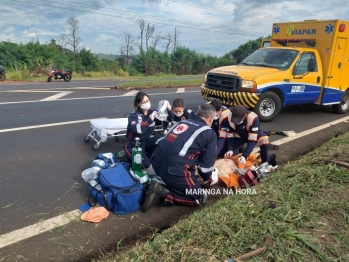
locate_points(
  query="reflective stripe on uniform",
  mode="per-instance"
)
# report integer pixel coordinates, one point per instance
(252, 136)
(230, 135)
(263, 140)
(224, 114)
(191, 140)
(222, 133)
(206, 169)
(139, 129)
(152, 124)
(250, 119)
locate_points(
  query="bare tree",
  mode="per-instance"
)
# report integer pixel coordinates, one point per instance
(148, 34)
(156, 39)
(127, 48)
(62, 40)
(175, 39)
(167, 41)
(72, 39)
(141, 24)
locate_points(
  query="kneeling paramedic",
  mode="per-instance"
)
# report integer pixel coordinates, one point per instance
(246, 130)
(188, 142)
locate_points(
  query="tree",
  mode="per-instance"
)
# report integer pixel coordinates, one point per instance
(141, 24)
(148, 34)
(156, 39)
(175, 39)
(167, 41)
(127, 49)
(72, 39)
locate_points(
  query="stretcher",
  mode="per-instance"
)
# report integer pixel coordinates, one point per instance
(103, 129)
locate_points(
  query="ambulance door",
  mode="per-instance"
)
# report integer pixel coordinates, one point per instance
(340, 67)
(306, 80)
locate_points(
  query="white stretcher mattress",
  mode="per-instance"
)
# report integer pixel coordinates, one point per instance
(105, 127)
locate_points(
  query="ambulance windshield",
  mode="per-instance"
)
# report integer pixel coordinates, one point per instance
(270, 57)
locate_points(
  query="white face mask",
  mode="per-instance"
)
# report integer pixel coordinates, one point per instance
(216, 117)
(145, 106)
(178, 115)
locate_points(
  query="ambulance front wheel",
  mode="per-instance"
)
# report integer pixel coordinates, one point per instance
(268, 106)
(343, 106)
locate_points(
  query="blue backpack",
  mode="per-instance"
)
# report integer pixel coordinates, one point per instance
(116, 190)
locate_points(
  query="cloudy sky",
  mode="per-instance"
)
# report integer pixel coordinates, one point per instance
(207, 26)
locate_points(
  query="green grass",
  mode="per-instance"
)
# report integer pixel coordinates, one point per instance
(303, 208)
(161, 83)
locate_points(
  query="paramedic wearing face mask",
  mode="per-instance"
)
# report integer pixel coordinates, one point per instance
(179, 111)
(141, 124)
(246, 130)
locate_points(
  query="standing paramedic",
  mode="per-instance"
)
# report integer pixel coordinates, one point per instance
(187, 143)
(141, 124)
(246, 130)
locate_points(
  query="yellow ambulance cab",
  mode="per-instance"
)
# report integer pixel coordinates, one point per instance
(306, 62)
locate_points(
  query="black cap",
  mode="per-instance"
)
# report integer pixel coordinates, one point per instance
(238, 113)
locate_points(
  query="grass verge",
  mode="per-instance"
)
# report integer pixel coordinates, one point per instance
(161, 83)
(303, 208)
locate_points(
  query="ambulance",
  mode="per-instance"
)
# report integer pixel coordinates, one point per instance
(306, 62)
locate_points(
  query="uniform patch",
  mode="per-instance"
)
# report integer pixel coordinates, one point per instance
(255, 129)
(183, 118)
(140, 119)
(181, 128)
(133, 122)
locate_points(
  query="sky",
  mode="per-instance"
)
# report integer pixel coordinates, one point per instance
(212, 27)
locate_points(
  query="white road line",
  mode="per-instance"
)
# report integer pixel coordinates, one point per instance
(180, 90)
(47, 125)
(131, 93)
(56, 96)
(41, 227)
(84, 98)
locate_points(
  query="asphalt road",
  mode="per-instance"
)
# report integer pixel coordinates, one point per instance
(43, 154)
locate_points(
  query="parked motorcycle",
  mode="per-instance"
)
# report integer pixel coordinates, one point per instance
(58, 73)
(2, 74)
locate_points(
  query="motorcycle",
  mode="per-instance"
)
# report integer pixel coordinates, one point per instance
(58, 73)
(2, 74)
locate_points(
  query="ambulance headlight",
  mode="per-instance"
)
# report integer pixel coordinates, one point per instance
(247, 85)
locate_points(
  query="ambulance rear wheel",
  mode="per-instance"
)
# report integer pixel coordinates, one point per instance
(343, 106)
(268, 107)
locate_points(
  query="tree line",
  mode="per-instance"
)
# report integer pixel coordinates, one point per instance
(134, 57)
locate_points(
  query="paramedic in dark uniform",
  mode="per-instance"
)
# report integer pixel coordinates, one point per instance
(246, 130)
(221, 126)
(188, 142)
(179, 112)
(141, 124)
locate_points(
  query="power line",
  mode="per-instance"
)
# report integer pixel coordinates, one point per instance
(236, 32)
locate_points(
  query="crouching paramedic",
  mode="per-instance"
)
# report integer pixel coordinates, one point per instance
(188, 142)
(246, 130)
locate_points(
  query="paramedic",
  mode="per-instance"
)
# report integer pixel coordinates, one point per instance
(141, 124)
(179, 111)
(246, 130)
(221, 126)
(188, 142)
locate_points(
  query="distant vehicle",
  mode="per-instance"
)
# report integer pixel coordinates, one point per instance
(2, 74)
(58, 73)
(306, 62)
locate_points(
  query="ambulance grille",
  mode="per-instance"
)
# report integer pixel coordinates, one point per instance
(223, 82)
